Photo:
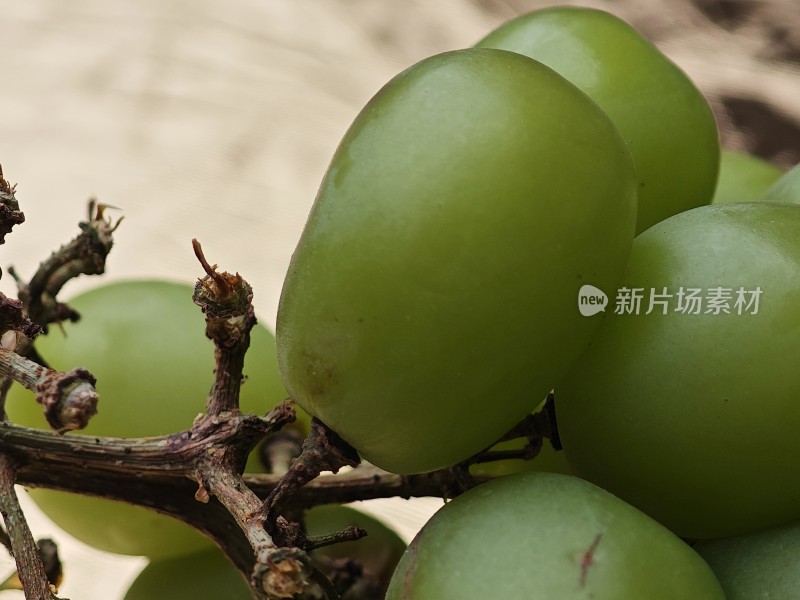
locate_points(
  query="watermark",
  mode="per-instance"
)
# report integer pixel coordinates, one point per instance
(685, 300)
(591, 300)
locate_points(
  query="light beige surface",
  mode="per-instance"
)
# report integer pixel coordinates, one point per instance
(212, 120)
(199, 119)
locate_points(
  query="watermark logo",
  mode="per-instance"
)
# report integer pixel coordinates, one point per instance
(591, 300)
(685, 300)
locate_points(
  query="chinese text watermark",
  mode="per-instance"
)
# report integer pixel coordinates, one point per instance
(685, 300)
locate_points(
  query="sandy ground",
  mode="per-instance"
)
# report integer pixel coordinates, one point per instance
(198, 119)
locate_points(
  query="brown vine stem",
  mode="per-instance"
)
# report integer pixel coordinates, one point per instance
(127, 467)
(29, 563)
(14, 327)
(322, 450)
(159, 473)
(365, 482)
(10, 213)
(5, 540)
(226, 301)
(69, 399)
(85, 255)
(277, 573)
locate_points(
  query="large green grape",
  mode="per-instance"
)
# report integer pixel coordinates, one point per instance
(145, 342)
(665, 120)
(759, 565)
(690, 412)
(543, 536)
(743, 178)
(785, 189)
(431, 301)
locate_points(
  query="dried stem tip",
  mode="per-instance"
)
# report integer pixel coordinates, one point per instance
(220, 294)
(286, 574)
(85, 255)
(69, 399)
(226, 300)
(12, 318)
(10, 214)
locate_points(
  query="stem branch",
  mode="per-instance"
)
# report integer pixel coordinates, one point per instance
(26, 553)
(69, 399)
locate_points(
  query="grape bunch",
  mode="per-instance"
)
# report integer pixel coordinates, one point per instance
(550, 211)
(547, 214)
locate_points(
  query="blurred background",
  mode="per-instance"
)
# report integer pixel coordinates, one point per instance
(217, 120)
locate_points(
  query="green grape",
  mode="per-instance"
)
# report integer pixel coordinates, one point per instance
(785, 189)
(743, 178)
(665, 120)
(687, 414)
(207, 575)
(145, 342)
(434, 287)
(762, 565)
(544, 536)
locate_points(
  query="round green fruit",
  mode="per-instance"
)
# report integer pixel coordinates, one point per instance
(540, 536)
(207, 575)
(785, 189)
(665, 120)
(759, 565)
(431, 301)
(690, 412)
(743, 178)
(145, 343)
